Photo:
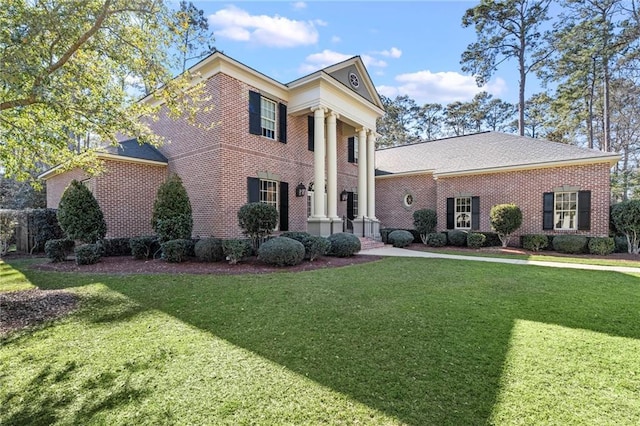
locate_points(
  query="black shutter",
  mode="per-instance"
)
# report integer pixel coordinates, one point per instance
(284, 206)
(475, 213)
(352, 154)
(584, 210)
(253, 190)
(255, 125)
(282, 123)
(311, 133)
(451, 206)
(547, 210)
(350, 214)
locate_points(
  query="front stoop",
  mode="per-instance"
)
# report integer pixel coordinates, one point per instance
(369, 243)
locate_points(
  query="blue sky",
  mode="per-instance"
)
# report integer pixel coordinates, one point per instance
(410, 48)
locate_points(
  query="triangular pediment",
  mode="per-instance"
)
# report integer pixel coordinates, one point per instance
(353, 75)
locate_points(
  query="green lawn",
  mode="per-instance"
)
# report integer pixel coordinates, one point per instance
(398, 341)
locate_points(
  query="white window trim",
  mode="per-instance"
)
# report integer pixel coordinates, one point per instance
(457, 213)
(556, 212)
(356, 149)
(264, 118)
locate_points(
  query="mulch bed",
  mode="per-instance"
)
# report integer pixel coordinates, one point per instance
(128, 265)
(20, 309)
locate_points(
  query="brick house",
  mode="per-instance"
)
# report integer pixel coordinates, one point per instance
(306, 147)
(559, 188)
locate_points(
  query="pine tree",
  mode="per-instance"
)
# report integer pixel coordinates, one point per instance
(172, 216)
(79, 214)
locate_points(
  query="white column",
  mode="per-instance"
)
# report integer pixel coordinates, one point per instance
(371, 183)
(332, 166)
(362, 173)
(318, 161)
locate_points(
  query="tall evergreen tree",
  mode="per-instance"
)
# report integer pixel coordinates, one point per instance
(172, 216)
(79, 214)
(505, 29)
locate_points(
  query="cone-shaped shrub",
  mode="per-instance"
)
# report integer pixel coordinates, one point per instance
(172, 219)
(79, 214)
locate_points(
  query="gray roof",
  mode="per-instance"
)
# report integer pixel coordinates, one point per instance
(480, 151)
(133, 149)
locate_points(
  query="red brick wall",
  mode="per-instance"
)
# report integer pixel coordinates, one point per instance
(390, 193)
(524, 188)
(214, 163)
(125, 193)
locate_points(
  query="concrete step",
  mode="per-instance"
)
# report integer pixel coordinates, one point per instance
(369, 243)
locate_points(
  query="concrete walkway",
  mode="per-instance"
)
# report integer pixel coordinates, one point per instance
(400, 252)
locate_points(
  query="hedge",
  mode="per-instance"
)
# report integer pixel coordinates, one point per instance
(570, 244)
(209, 250)
(281, 251)
(87, 254)
(58, 250)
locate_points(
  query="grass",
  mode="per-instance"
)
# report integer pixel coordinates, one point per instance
(399, 341)
(591, 260)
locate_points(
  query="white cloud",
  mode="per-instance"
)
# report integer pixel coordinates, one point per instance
(440, 87)
(335, 39)
(317, 61)
(299, 5)
(273, 31)
(371, 62)
(394, 52)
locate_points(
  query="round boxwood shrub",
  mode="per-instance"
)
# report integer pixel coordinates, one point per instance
(570, 244)
(144, 247)
(601, 245)
(281, 251)
(79, 214)
(475, 240)
(436, 239)
(343, 244)
(314, 246)
(87, 254)
(175, 251)
(57, 250)
(458, 238)
(235, 250)
(535, 242)
(400, 238)
(209, 250)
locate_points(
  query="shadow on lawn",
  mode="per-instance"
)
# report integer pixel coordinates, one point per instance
(419, 346)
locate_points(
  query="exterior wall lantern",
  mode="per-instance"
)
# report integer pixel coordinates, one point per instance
(344, 195)
(300, 190)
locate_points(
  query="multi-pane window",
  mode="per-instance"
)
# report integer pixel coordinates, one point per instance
(355, 198)
(269, 192)
(565, 210)
(463, 213)
(268, 118)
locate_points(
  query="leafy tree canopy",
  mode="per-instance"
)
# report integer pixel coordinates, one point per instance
(71, 68)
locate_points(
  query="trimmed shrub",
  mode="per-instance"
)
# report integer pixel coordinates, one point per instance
(535, 242)
(79, 214)
(457, 238)
(209, 250)
(43, 225)
(191, 246)
(115, 247)
(601, 245)
(281, 251)
(425, 221)
(172, 216)
(622, 245)
(491, 239)
(58, 250)
(400, 238)
(257, 220)
(475, 240)
(626, 219)
(384, 234)
(144, 247)
(314, 246)
(343, 244)
(175, 251)
(505, 219)
(235, 250)
(570, 244)
(87, 254)
(436, 239)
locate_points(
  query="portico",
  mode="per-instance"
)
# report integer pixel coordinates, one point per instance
(341, 94)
